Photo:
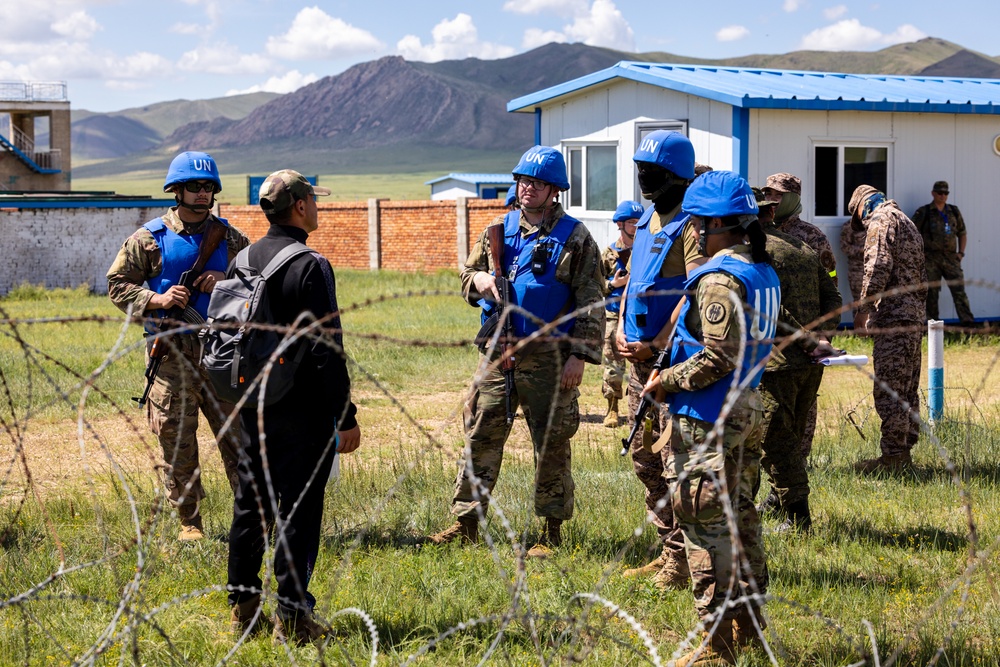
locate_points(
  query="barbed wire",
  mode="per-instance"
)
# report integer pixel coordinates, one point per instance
(130, 611)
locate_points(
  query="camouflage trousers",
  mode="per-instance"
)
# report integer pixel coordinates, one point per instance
(896, 360)
(180, 390)
(807, 435)
(614, 365)
(946, 265)
(788, 397)
(711, 476)
(652, 469)
(553, 417)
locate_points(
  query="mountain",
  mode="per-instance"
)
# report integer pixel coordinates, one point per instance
(394, 116)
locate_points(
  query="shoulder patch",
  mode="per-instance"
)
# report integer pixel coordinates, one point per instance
(715, 312)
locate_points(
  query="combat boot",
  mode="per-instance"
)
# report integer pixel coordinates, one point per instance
(797, 518)
(242, 617)
(300, 629)
(885, 464)
(744, 632)
(611, 419)
(674, 575)
(465, 529)
(191, 528)
(652, 567)
(714, 651)
(770, 506)
(550, 538)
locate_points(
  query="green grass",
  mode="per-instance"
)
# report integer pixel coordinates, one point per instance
(893, 551)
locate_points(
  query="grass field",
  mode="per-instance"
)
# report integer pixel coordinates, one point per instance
(90, 571)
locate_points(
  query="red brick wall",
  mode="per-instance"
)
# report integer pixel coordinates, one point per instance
(416, 235)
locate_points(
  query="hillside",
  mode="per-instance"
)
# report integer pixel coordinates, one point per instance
(394, 115)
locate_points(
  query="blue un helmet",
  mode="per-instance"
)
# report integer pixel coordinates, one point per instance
(192, 166)
(511, 195)
(720, 194)
(628, 210)
(668, 149)
(545, 164)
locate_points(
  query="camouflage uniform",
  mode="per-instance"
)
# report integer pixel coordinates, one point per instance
(552, 414)
(941, 231)
(790, 382)
(614, 364)
(791, 186)
(701, 464)
(181, 387)
(652, 469)
(894, 259)
(852, 244)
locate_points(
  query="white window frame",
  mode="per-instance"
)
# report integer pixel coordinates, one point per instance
(840, 145)
(642, 128)
(583, 145)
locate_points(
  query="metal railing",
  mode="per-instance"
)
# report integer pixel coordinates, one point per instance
(50, 159)
(33, 91)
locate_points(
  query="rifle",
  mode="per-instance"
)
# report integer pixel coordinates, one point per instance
(213, 235)
(647, 400)
(494, 234)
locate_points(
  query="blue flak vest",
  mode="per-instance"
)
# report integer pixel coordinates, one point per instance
(614, 304)
(761, 321)
(541, 295)
(179, 253)
(645, 314)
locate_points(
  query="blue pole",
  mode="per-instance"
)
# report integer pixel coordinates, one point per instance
(935, 370)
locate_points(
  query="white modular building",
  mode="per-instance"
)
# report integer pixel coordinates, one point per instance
(482, 186)
(834, 131)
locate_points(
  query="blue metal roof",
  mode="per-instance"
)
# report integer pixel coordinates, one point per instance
(754, 88)
(476, 179)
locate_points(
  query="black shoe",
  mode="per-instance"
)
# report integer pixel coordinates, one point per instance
(798, 518)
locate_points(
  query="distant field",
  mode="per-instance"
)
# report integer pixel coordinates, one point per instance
(345, 187)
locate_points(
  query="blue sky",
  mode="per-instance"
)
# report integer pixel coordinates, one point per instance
(116, 54)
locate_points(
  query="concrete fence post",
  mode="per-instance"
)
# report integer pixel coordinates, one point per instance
(935, 370)
(462, 229)
(374, 235)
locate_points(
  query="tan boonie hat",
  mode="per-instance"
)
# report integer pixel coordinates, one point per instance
(784, 182)
(282, 188)
(940, 186)
(861, 193)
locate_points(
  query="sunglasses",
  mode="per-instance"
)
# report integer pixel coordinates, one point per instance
(531, 183)
(199, 186)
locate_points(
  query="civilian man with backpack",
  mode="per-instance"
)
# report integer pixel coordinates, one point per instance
(304, 425)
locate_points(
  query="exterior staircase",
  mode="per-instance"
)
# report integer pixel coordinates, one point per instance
(41, 162)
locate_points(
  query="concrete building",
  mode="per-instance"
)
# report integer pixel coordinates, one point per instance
(482, 186)
(835, 131)
(34, 136)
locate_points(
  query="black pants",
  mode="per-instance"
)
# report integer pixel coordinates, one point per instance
(298, 472)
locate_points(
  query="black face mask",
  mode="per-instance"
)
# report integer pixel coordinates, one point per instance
(652, 179)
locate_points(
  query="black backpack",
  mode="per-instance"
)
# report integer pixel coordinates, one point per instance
(235, 352)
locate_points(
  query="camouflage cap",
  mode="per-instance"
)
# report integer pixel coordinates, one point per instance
(282, 188)
(941, 186)
(762, 200)
(784, 182)
(861, 193)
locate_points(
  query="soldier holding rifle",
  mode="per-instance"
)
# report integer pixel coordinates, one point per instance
(167, 269)
(552, 265)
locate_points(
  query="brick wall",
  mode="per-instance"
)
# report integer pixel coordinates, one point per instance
(64, 247)
(70, 246)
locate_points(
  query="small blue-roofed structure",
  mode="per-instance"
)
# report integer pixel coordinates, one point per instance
(483, 186)
(832, 130)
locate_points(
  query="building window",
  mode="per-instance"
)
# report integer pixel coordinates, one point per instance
(593, 176)
(840, 168)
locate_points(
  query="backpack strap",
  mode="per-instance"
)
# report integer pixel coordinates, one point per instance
(284, 256)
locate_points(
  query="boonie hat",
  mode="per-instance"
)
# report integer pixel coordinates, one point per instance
(784, 182)
(941, 186)
(282, 188)
(861, 193)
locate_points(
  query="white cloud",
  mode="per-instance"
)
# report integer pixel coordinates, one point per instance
(315, 35)
(78, 25)
(534, 37)
(223, 58)
(559, 7)
(291, 81)
(602, 25)
(731, 33)
(791, 5)
(834, 13)
(187, 28)
(453, 39)
(851, 35)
